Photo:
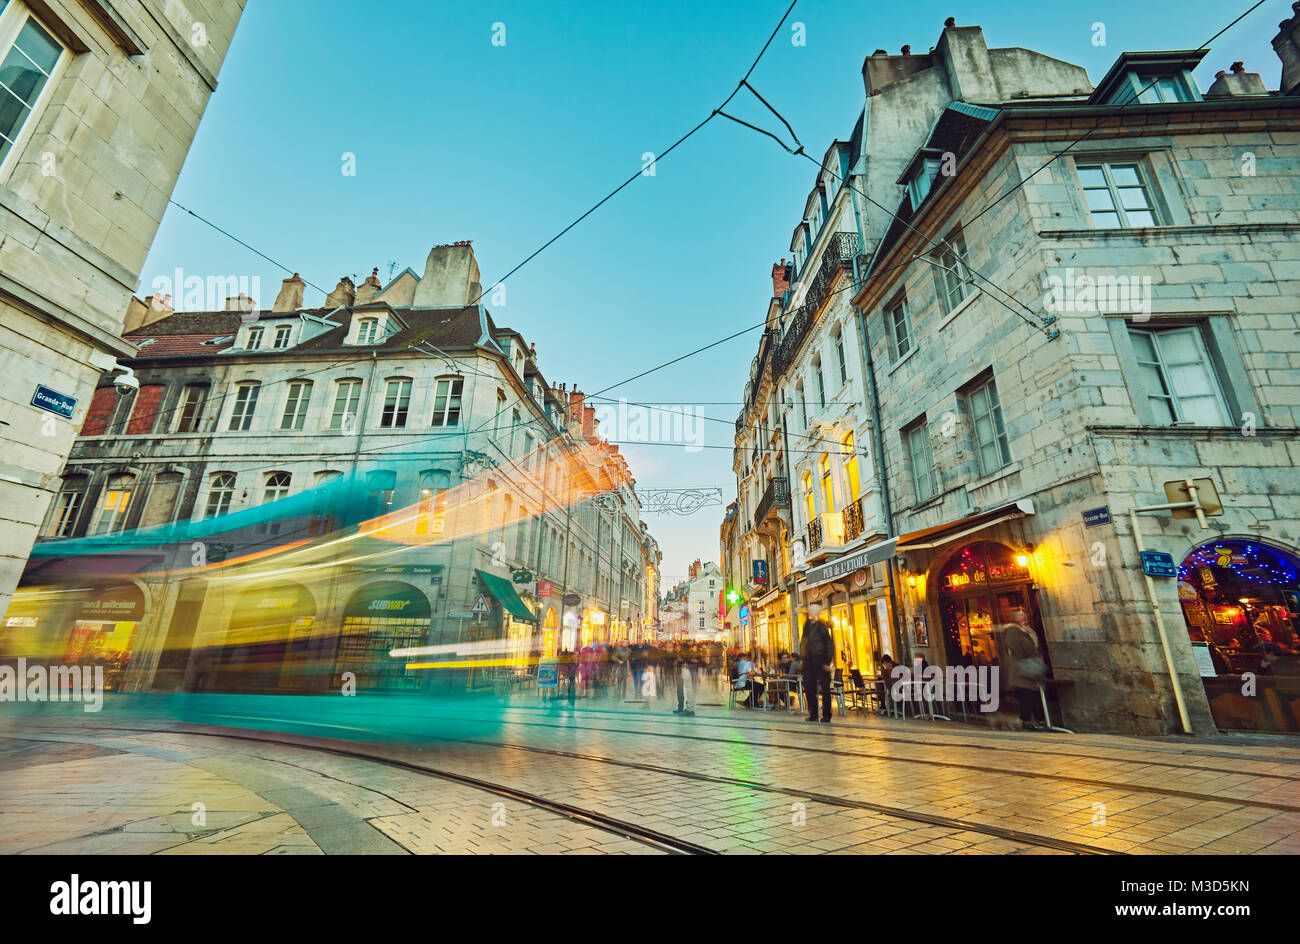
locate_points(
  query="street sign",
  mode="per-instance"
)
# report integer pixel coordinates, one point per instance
(53, 401)
(1095, 516)
(460, 615)
(480, 605)
(1158, 564)
(1206, 493)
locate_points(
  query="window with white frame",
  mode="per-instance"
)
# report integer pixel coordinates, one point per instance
(295, 407)
(29, 54)
(281, 339)
(276, 487)
(1177, 377)
(916, 441)
(839, 357)
(347, 396)
(368, 331)
(220, 494)
(114, 505)
(803, 406)
(397, 403)
(988, 433)
(821, 380)
(67, 505)
(193, 397)
(255, 337)
(1117, 195)
(952, 277)
(241, 417)
(899, 322)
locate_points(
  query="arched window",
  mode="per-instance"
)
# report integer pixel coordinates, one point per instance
(806, 481)
(433, 501)
(276, 487)
(220, 494)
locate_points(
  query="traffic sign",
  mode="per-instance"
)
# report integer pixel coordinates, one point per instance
(480, 605)
(1158, 564)
(1206, 493)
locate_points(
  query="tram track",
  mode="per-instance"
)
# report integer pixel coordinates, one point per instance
(622, 827)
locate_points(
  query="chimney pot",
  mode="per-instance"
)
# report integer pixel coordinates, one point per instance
(1238, 67)
(949, 22)
(907, 50)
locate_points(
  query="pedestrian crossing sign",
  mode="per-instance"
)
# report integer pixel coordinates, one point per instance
(480, 605)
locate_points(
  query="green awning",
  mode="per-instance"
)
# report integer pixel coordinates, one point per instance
(504, 591)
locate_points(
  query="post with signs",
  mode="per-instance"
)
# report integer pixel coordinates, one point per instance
(1189, 498)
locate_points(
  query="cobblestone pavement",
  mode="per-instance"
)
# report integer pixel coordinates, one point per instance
(731, 781)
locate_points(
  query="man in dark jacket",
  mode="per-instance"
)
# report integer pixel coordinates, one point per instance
(817, 652)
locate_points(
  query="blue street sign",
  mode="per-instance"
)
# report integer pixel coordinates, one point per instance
(1158, 564)
(1095, 516)
(53, 401)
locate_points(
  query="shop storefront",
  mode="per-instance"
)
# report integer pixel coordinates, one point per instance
(518, 621)
(266, 624)
(1241, 603)
(853, 592)
(377, 619)
(982, 586)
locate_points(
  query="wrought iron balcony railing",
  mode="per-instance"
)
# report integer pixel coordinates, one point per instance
(840, 251)
(814, 534)
(853, 520)
(777, 495)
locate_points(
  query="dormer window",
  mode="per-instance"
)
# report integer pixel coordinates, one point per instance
(281, 339)
(1153, 89)
(254, 338)
(368, 331)
(920, 174)
(1151, 78)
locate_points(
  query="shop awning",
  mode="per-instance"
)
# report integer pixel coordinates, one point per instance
(843, 566)
(504, 591)
(943, 534)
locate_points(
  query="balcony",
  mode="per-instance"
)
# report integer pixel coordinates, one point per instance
(840, 251)
(853, 523)
(776, 496)
(825, 533)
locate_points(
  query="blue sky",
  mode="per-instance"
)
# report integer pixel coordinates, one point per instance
(456, 138)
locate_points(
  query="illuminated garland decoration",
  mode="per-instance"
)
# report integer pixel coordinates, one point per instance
(1264, 564)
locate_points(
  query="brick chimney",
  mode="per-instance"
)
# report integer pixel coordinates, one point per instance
(780, 278)
(1287, 45)
(290, 297)
(1236, 83)
(344, 294)
(588, 422)
(369, 288)
(576, 399)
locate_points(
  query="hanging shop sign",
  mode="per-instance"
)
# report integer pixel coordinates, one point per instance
(543, 588)
(572, 599)
(521, 576)
(760, 571)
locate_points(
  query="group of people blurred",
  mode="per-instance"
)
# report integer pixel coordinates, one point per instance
(638, 671)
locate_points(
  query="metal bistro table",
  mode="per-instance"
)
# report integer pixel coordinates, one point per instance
(913, 686)
(1047, 715)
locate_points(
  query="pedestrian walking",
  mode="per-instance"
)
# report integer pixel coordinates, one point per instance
(817, 651)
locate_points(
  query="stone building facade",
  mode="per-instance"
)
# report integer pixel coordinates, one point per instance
(111, 96)
(396, 452)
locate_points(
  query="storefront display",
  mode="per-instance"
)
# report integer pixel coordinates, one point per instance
(379, 618)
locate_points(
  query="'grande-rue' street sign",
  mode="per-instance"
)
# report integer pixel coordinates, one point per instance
(53, 401)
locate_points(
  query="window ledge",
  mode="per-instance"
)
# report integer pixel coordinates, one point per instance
(961, 306)
(901, 361)
(1001, 473)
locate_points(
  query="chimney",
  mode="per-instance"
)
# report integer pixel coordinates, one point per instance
(369, 288)
(141, 313)
(1238, 82)
(240, 302)
(344, 294)
(780, 278)
(290, 297)
(588, 422)
(1287, 45)
(451, 277)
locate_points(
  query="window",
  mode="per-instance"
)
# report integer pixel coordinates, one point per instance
(920, 182)
(28, 55)
(899, 323)
(193, 398)
(821, 380)
(241, 417)
(803, 406)
(368, 331)
(117, 499)
(496, 417)
(828, 493)
(446, 401)
(281, 339)
(346, 398)
(839, 357)
(397, 402)
(916, 441)
(952, 277)
(433, 501)
(991, 450)
(220, 494)
(67, 504)
(1177, 377)
(514, 425)
(1116, 195)
(255, 337)
(851, 479)
(295, 408)
(277, 487)
(701, 622)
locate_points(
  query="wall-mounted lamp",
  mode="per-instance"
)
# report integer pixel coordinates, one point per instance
(911, 581)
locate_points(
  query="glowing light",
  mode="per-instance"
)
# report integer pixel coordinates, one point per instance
(1022, 560)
